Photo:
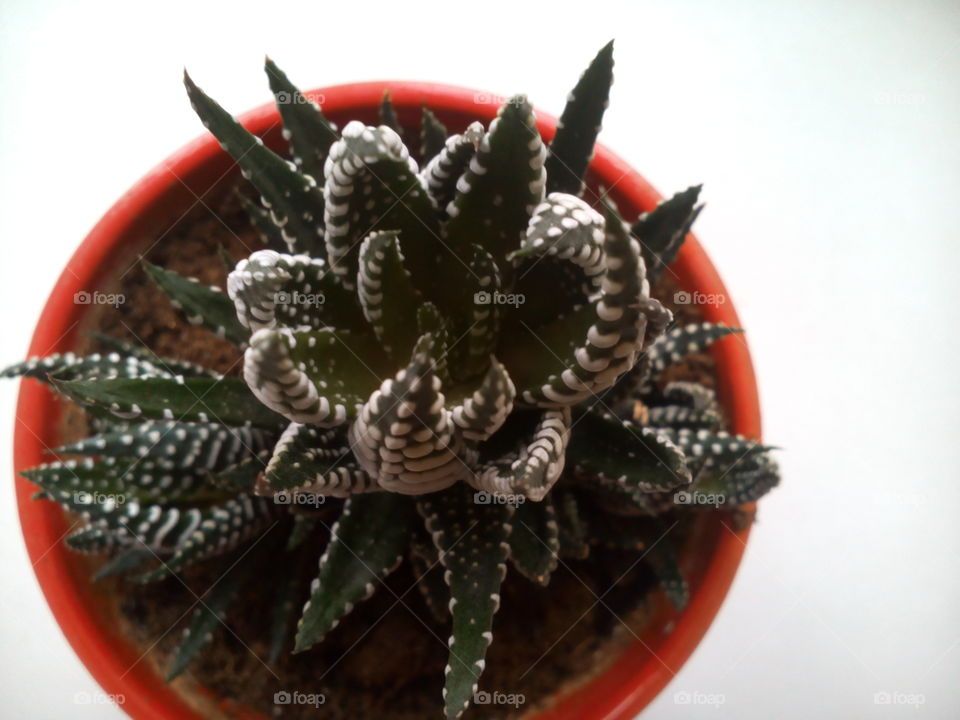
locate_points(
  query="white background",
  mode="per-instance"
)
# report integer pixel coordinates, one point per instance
(826, 134)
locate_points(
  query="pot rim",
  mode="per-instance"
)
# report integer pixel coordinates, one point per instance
(616, 694)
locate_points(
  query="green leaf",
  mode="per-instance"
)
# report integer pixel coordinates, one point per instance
(171, 366)
(303, 527)
(207, 446)
(472, 542)
(124, 562)
(200, 304)
(440, 175)
(366, 544)
(270, 289)
(561, 260)
(662, 231)
(241, 477)
(642, 459)
(389, 300)
(69, 367)
(226, 400)
(309, 133)
(388, 114)
(221, 528)
(307, 459)
(212, 607)
(433, 136)
(287, 602)
(583, 353)
(535, 540)
(270, 233)
(679, 342)
(316, 377)
(371, 184)
(498, 192)
(485, 410)
(572, 147)
(294, 199)
(122, 479)
(662, 558)
(572, 531)
(428, 572)
(731, 484)
(535, 465)
(403, 435)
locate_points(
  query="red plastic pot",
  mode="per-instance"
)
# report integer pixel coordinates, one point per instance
(177, 185)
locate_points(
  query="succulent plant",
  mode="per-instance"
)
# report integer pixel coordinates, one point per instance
(458, 354)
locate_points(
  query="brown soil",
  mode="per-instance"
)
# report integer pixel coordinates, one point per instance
(386, 659)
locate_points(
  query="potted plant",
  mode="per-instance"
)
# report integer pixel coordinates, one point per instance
(480, 363)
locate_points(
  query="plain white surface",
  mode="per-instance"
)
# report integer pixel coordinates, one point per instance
(827, 137)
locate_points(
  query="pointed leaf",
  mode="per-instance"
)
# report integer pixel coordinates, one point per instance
(673, 346)
(200, 304)
(294, 199)
(404, 436)
(124, 562)
(642, 459)
(208, 617)
(441, 174)
(662, 231)
(227, 400)
(472, 541)
(366, 544)
(577, 129)
(371, 184)
(310, 460)
(433, 136)
(535, 540)
(504, 182)
(536, 464)
(221, 528)
(387, 295)
(317, 377)
(309, 133)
